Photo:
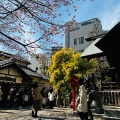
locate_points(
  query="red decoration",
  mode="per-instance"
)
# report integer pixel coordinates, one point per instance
(74, 83)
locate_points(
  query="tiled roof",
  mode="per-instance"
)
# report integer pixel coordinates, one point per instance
(14, 56)
(30, 72)
(92, 49)
(25, 69)
(6, 63)
(45, 77)
(10, 62)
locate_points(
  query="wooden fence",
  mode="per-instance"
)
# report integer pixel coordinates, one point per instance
(111, 98)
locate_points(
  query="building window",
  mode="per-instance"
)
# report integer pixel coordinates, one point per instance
(81, 50)
(36, 68)
(86, 23)
(75, 41)
(81, 40)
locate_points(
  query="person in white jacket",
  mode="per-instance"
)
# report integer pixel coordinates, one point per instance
(81, 101)
(51, 97)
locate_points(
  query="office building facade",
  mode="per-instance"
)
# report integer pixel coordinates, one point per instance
(75, 35)
(55, 49)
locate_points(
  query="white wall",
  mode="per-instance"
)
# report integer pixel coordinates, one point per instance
(82, 30)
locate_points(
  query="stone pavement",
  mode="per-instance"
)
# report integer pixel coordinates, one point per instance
(46, 114)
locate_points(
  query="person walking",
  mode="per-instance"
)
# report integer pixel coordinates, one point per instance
(81, 101)
(12, 97)
(20, 97)
(51, 97)
(43, 96)
(25, 99)
(89, 98)
(36, 99)
(58, 98)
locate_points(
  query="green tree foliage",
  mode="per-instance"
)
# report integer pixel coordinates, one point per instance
(67, 63)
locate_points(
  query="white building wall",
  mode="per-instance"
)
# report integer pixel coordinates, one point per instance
(39, 64)
(34, 64)
(82, 29)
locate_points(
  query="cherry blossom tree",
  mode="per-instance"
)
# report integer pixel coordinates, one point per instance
(42, 17)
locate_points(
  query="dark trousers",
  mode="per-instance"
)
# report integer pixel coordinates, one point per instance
(51, 104)
(83, 116)
(20, 101)
(25, 104)
(89, 110)
(11, 102)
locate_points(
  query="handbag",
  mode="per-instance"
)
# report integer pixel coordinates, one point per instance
(79, 107)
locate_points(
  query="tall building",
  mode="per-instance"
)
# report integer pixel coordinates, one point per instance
(76, 33)
(55, 49)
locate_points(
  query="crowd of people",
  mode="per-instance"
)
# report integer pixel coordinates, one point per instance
(19, 97)
(40, 98)
(83, 100)
(24, 98)
(36, 96)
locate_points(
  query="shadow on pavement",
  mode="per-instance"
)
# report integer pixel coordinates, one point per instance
(50, 118)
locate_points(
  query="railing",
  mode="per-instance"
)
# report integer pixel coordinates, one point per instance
(111, 98)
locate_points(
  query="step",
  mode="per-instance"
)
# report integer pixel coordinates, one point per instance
(112, 113)
(110, 118)
(96, 115)
(110, 107)
(98, 111)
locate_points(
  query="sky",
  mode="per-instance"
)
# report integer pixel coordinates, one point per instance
(108, 12)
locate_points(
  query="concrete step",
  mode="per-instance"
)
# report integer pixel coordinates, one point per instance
(110, 118)
(112, 113)
(97, 116)
(109, 113)
(98, 111)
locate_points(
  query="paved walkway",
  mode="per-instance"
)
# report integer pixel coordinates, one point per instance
(46, 114)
